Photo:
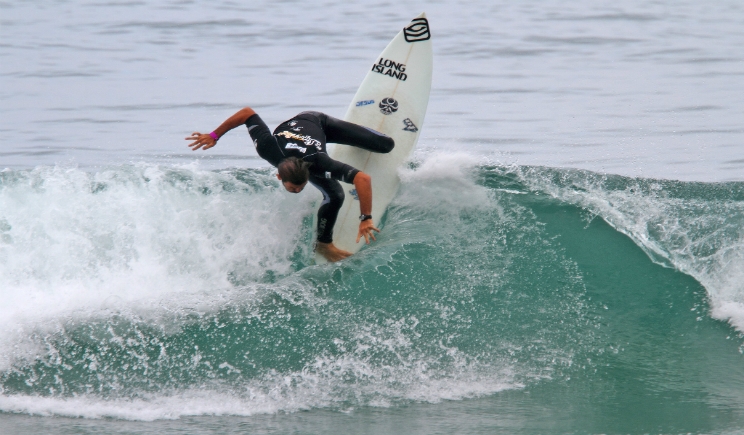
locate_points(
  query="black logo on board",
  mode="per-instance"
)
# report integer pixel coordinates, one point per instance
(388, 106)
(418, 30)
(410, 126)
(390, 68)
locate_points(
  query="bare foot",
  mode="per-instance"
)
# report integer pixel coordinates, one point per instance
(331, 252)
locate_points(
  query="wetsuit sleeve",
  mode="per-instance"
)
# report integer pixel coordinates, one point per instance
(325, 167)
(265, 142)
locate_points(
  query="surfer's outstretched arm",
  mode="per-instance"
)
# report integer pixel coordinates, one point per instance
(208, 140)
(363, 185)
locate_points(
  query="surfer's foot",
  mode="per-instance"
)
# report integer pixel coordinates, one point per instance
(331, 252)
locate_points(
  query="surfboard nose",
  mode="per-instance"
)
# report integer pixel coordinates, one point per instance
(418, 29)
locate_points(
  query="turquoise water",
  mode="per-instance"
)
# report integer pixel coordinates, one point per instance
(497, 298)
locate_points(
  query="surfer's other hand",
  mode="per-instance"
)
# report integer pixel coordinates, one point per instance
(203, 141)
(366, 229)
(331, 252)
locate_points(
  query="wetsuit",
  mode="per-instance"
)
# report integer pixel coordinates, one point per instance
(305, 137)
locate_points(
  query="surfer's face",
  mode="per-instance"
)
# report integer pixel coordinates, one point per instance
(294, 188)
(291, 187)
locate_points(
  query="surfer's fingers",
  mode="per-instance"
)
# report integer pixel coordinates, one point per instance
(359, 236)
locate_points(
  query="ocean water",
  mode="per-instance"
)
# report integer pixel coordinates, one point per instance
(565, 254)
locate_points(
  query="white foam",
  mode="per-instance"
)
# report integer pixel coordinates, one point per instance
(318, 385)
(443, 181)
(136, 238)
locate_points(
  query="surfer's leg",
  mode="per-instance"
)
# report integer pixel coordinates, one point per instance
(347, 133)
(333, 199)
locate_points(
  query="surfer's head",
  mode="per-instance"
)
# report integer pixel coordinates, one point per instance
(293, 174)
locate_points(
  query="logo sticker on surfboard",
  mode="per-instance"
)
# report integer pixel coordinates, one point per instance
(418, 30)
(409, 125)
(390, 68)
(388, 105)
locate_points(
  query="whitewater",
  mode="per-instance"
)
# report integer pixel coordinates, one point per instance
(565, 253)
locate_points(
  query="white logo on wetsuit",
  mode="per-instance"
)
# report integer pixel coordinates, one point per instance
(307, 140)
(294, 146)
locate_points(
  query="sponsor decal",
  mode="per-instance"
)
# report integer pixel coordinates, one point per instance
(294, 146)
(365, 103)
(328, 174)
(353, 193)
(409, 125)
(390, 68)
(418, 30)
(292, 123)
(388, 105)
(307, 140)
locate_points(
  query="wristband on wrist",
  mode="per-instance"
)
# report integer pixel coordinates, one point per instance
(214, 136)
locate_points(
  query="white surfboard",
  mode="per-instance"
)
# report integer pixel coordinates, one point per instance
(392, 99)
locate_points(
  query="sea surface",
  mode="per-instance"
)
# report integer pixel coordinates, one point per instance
(565, 253)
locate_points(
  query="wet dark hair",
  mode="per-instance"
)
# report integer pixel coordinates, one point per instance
(294, 170)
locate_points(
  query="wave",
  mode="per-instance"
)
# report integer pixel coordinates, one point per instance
(146, 292)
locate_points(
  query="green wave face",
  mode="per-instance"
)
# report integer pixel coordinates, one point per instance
(595, 299)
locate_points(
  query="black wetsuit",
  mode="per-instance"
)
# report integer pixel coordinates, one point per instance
(305, 137)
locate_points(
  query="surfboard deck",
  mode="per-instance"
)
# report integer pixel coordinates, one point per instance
(392, 99)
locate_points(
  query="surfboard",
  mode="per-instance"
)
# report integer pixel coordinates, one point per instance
(392, 99)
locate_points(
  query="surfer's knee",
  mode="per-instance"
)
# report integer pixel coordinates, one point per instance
(336, 197)
(333, 196)
(387, 144)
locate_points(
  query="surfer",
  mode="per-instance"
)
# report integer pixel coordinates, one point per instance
(297, 148)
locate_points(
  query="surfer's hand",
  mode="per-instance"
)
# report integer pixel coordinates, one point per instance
(331, 252)
(366, 229)
(203, 141)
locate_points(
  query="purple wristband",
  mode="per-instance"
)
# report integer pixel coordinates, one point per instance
(214, 136)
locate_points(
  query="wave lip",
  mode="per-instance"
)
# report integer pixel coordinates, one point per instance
(697, 228)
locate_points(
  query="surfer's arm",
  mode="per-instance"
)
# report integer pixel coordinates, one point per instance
(208, 140)
(363, 185)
